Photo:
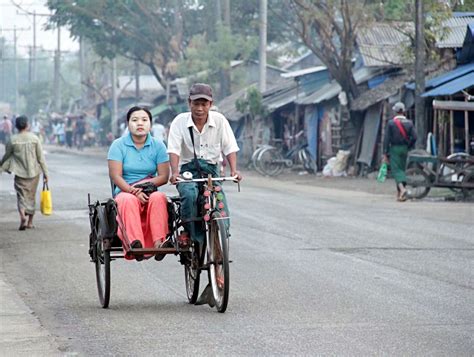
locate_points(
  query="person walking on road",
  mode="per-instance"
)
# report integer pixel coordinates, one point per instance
(24, 157)
(6, 129)
(400, 137)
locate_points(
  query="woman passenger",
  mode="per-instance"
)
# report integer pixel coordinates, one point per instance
(137, 158)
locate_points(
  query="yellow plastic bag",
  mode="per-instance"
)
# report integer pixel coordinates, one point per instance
(46, 202)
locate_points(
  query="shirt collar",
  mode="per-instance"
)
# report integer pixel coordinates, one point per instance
(210, 120)
(129, 142)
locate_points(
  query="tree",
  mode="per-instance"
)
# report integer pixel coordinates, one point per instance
(209, 58)
(328, 29)
(149, 31)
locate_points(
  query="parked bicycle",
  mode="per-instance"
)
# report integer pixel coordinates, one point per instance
(270, 160)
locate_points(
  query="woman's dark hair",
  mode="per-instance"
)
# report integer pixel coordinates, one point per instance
(21, 122)
(136, 109)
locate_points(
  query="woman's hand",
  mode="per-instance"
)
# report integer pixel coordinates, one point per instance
(45, 179)
(134, 190)
(142, 197)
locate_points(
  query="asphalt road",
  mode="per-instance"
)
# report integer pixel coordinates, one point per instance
(315, 271)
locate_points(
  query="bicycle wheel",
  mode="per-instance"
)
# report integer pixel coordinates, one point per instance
(253, 159)
(448, 170)
(102, 272)
(419, 181)
(218, 256)
(270, 162)
(468, 180)
(102, 264)
(307, 161)
(192, 273)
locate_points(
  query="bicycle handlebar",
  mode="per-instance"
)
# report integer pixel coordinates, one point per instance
(227, 178)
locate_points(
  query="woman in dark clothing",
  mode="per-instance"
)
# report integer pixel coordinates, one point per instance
(400, 137)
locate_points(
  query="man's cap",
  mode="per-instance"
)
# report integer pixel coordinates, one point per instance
(398, 107)
(200, 91)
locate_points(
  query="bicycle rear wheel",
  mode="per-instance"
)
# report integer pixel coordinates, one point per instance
(307, 161)
(192, 273)
(218, 257)
(102, 272)
(419, 182)
(270, 161)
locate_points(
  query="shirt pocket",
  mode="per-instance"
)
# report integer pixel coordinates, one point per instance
(213, 151)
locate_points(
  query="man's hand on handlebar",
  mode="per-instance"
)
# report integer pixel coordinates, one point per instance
(237, 175)
(174, 179)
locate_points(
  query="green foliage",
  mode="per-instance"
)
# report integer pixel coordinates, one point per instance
(251, 103)
(37, 96)
(149, 31)
(467, 6)
(214, 56)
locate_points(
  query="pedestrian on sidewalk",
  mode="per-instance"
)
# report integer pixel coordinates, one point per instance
(24, 157)
(400, 137)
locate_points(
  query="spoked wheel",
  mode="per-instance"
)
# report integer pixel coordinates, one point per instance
(468, 185)
(192, 273)
(448, 170)
(102, 270)
(270, 162)
(307, 161)
(419, 182)
(218, 255)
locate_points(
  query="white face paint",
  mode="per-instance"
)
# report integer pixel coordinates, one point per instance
(139, 123)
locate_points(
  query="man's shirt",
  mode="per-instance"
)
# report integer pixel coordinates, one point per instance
(137, 164)
(216, 137)
(24, 156)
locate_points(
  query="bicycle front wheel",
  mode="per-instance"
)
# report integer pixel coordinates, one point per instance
(270, 162)
(102, 271)
(218, 257)
(192, 273)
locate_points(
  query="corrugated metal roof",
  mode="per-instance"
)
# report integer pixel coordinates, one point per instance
(382, 44)
(446, 77)
(326, 92)
(456, 33)
(227, 105)
(302, 72)
(332, 89)
(451, 87)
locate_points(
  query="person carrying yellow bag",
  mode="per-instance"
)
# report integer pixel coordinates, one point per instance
(24, 157)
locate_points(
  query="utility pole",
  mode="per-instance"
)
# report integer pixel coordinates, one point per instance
(33, 51)
(57, 75)
(137, 81)
(262, 51)
(82, 70)
(114, 119)
(420, 120)
(15, 59)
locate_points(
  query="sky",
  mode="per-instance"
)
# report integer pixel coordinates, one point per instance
(11, 16)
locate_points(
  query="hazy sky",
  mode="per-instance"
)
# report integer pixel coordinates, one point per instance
(10, 17)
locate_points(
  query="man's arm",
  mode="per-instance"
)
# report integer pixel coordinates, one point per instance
(232, 159)
(174, 164)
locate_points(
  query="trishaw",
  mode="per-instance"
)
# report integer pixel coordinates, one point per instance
(455, 172)
(212, 255)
